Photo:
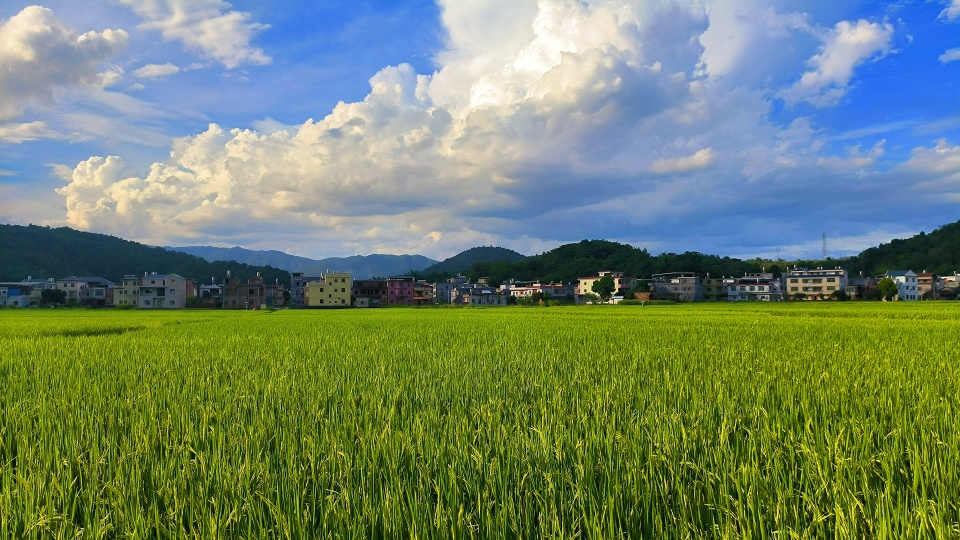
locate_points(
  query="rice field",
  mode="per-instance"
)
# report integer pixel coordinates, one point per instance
(787, 420)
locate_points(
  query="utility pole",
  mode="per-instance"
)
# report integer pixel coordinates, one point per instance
(824, 246)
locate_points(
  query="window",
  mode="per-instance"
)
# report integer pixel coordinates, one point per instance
(831, 280)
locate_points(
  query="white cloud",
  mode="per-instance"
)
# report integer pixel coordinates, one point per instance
(156, 71)
(846, 47)
(544, 121)
(951, 55)
(39, 53)
(952, 11)
(5, 172)
(942, 158)
(208, 27)
(750, 39)
(856, 158)
(30, 131)
(699, 160)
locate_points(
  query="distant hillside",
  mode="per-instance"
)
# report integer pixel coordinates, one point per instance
(43, 252)
(937, 252)
(359, 266)
(587, 257)
(465, 260)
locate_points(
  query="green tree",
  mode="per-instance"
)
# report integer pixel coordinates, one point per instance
(50, 297)
(887, 287)
(604, 287)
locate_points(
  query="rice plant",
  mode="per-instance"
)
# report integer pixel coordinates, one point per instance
(690, 421)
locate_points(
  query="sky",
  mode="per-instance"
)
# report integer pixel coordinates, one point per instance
(748, 128)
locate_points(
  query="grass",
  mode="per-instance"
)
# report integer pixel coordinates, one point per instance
(712, 420)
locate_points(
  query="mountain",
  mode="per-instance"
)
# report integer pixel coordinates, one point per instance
(43, 252)
(465, 260)
(359, 266)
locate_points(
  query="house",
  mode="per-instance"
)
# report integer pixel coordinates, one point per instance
(28, 292)
(369, 292)
(816, 283)
(680, 286)
(622, 284)
(298, 284)
(929, 286)
(163, 291)
(480, 295)
(423, 293)
(87, 290)
(210, 294)
(247, 293)
(715, 288)
(526, 289)
(400, 290)
(907, 284)
(333, 290)
(755, 286)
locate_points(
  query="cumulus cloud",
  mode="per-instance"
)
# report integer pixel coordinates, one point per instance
(156, 71)
(544, 120)
(39, 53)
(847, 46)
(208, 27)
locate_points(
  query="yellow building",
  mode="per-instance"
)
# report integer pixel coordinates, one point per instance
(333, 290)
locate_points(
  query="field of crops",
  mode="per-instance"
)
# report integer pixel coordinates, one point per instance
(785, 420)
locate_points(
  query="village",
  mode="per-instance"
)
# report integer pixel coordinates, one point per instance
(339, 290)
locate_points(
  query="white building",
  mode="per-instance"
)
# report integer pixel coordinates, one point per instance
(906, 281)
(755, 286)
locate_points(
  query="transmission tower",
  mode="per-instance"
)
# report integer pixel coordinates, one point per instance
(824, 246)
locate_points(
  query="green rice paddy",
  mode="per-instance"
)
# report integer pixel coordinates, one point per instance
(730, 421)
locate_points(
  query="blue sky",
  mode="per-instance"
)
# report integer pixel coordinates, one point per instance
(735, 127)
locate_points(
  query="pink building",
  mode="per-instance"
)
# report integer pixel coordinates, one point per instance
(400, 291)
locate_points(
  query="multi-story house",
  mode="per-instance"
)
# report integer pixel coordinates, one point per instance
(400, 290)
(681, 286)
(333, 290)
(907, 284)
(369, 292)
(715, 288)
(164, 291)
(928, 286)
(755, 286)
(247, 293)
(298, 284)
(86, 290)
(28, 292)
(128, 293)
(526, 289)
(480, 295)
(622, 284)
(815, 283)
(210, 294)
(423, 293)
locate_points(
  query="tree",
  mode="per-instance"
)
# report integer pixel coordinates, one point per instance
(888, 288)
(839, 295)
(604, 287)
(53, 296)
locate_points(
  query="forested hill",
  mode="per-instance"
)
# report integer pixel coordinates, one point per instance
(465, 260)
(44, 252)
(568, 262)
(937, 252)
